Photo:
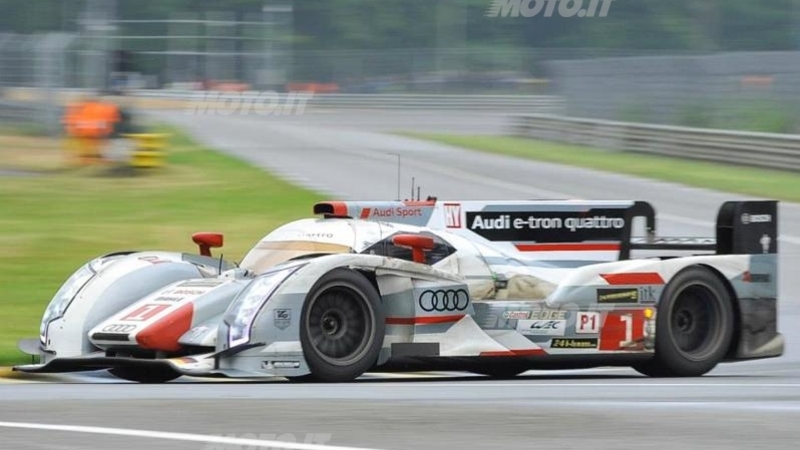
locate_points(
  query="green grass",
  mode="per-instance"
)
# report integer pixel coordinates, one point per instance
(51, 224)
(775, 184)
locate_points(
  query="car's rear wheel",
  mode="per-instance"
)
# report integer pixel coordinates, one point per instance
(694, 326)
(147, 375)
(343, 326)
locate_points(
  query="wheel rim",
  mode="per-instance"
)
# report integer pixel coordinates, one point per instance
(339, 325)
(695, 322)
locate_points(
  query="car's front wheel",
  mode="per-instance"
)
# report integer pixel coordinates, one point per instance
(342, 326)
(694, 326)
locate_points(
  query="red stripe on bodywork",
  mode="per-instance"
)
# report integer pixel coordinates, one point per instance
(339, 208)
(423, 320)
(164, 333)
(633, 278)
(526, 352)
(578, 247)
(365, 213)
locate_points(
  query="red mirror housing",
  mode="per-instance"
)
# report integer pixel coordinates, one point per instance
(207, 241)
(417, 243)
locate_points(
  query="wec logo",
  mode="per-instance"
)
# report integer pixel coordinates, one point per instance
(531, 8)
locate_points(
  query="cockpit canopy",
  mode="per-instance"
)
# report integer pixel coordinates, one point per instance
(330, 236)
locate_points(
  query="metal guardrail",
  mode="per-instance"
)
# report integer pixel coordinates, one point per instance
(177, 99)
(542, 104)
(767, 150)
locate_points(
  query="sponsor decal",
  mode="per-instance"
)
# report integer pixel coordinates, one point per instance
(516, 315)
(401, 212)
(542, 327)
(578, 226)
(452, 215)
(647, 294)
(145, 313)
(546, 314)
(153, 259)
(442, 300)
(617, 295)
(283, 318)
(587, 323)
(168, 298)
(574, 343)
(189, 292)
(201, 283)
(118, 328)
(765, 242)
(317, 235)
(747, 219)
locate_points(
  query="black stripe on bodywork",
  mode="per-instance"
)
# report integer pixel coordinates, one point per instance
(111, 337)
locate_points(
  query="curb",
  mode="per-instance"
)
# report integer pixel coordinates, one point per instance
(7, 372)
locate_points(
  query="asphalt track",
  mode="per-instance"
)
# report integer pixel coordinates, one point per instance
(750, 405)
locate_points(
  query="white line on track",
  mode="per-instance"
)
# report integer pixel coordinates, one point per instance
(186, 437)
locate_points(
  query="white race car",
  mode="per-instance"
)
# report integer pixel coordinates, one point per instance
(495, 288)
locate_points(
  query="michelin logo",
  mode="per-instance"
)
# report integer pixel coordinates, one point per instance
(747, 219)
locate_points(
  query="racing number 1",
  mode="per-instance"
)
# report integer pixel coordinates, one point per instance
(627, 319)
(619, 329)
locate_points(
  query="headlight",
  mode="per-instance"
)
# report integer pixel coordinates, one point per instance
(245, 307)
(60, 302)
(69, 290)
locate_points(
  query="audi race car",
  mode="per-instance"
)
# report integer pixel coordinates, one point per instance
(495, 288)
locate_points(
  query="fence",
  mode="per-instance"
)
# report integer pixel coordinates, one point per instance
(41, 61)
(757, 91)
(768, 150)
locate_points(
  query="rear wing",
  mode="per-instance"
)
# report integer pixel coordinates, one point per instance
(568, 227)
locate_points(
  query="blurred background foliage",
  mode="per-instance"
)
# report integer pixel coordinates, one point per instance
(710, 25)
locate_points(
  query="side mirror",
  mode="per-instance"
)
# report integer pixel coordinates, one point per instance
(417, 243)
(207, 241)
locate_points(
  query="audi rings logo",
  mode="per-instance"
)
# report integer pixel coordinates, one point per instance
(444, 300)
(119, 328)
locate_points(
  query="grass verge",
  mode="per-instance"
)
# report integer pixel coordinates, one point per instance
(773, 184)
(54, 221)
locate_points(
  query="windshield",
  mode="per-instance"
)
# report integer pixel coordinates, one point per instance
(268, 254)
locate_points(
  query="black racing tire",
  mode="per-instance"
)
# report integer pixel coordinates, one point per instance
(145, 375)
(694, 326)
(342, 326)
